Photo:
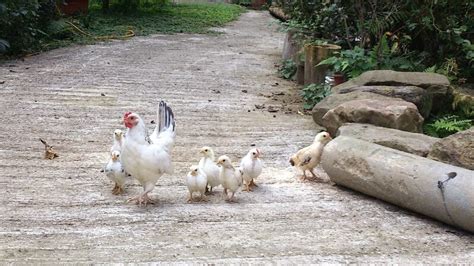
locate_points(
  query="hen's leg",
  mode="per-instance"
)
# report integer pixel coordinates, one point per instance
(224, 193)
(143, 198)
(231, 198)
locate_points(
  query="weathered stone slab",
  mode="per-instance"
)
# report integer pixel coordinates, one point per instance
(414, 143)
(420, 97)
(457, 149)
(392, 113)
(396, 78)
(435, 189)
(333, 100)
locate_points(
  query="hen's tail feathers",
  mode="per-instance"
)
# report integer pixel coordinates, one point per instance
(165, 117)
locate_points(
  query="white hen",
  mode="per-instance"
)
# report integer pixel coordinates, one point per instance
(196, 180)
(147, 159)
(118, 140)
(309, 157)
(231, 177)
(209, 167)
(251, 166)
(115, 172)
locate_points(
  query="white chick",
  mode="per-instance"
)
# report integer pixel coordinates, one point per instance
(231, 178)
(196, 180)
(115, 172)
(308, 158)
(251, 166)
(209, 167)
(118, 140)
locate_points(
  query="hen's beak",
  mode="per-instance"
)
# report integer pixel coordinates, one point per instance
(219, 163)
(114, 157)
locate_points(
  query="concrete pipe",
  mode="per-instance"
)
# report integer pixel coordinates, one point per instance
(438, 190)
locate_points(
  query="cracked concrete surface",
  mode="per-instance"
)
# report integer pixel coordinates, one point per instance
(63, 210)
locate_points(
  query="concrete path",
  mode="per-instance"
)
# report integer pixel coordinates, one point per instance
(63, 210)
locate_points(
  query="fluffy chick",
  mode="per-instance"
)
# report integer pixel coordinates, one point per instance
(251, 166)
(196, 180)
(308, 158)
(209, 167)
(231, 178)
(118, 139)
(115, 172)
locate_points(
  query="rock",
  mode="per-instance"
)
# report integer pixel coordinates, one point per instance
(457, 149)
(435, 84)
(333, 100)
(391, 113)
(395, 78)
(435, 189)
(463, 99)
(414, 143)
(441, 97)
(420, 97)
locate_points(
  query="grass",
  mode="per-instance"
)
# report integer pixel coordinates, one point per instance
(184, 18)
(167, 19)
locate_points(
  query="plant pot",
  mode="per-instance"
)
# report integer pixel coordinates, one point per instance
(73, 7)
(314, 54)
(257, 4)
(338, 79)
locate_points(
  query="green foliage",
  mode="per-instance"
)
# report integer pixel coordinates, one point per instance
(287, 69)
(150, 18)
(446, 125)
(314, 93)
(128, 6)
(424, 32)
(22, 24)
(356, 61)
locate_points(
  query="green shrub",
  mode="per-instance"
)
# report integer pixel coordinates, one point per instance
(354, 62)
(23, 23)
(287, 69)
(446, 125)
(314, 93)
(426, 33)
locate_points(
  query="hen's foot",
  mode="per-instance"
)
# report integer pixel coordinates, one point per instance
(141, 200)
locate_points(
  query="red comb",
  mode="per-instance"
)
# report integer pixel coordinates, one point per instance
(127, 114)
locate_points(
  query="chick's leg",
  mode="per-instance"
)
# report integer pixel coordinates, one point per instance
(247, 187)
(252, 183)
(190, 199)
(203, 196)
(114, 190)
(314, 175)
(224, 193)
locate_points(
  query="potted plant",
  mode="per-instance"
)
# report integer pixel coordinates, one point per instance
(315, 52)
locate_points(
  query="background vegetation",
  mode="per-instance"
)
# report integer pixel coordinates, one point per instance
(422, 35)
(28, 26)
(403, 35)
